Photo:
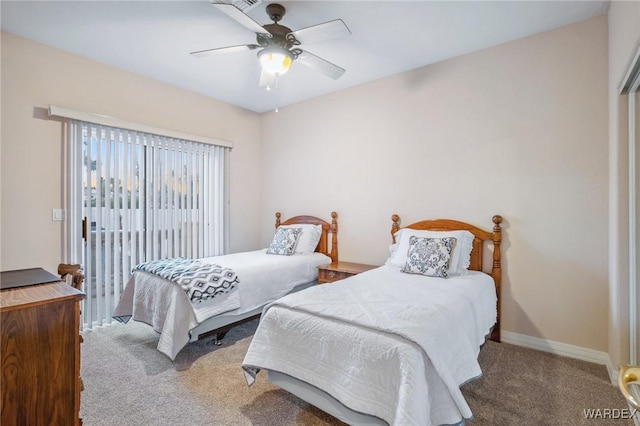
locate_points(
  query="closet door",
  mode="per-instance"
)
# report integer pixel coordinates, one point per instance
(634, 277)
(630, 89)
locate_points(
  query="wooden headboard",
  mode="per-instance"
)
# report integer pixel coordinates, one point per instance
(323, 247)
(481, 236)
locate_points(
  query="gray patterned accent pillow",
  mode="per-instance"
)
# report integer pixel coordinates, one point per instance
(429, 256)
(284, 241)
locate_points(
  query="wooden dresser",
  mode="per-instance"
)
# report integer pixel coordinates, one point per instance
(40, 339)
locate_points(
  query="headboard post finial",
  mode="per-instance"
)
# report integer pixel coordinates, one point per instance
(278, 219)
(394, 227)
(334, 236)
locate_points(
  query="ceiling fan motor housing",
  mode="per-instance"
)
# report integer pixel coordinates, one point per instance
(281, 35)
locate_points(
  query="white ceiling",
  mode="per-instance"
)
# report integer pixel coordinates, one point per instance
(154, 38)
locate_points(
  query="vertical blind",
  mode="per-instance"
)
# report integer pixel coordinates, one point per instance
(137, 197)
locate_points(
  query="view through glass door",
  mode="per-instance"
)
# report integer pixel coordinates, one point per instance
(113, 218)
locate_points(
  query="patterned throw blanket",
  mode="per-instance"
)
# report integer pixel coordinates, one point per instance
(201, 281)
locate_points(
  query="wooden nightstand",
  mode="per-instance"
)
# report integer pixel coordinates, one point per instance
(340, 270)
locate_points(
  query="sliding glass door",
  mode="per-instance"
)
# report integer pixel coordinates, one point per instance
(113, 169)
(140, 197)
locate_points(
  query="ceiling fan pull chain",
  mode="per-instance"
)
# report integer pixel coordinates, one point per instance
(275, 92)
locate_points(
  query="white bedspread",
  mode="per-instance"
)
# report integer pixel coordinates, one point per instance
(166, 307)
(393, 345)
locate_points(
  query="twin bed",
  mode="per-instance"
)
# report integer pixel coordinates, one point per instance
(257, 277)
(391, 345)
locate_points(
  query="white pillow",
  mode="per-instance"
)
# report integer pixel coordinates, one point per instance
(460, 257)
(309, 237)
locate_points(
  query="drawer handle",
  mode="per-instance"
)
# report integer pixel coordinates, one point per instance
(331, 274)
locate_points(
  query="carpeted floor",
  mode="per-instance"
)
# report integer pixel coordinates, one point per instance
(128, 382)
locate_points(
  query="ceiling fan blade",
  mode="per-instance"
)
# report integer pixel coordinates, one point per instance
(322, 65)
(239, 16)
(229, 49)
(267, 79)
(322, 32)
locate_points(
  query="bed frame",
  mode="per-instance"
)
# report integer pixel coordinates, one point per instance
(218, 326)
(326, 402)
(476, 264)
(327, 228)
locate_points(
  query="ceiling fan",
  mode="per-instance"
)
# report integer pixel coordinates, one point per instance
(277, 45)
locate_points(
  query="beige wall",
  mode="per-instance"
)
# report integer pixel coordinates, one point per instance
(624, 41)
(519, 130)
(34, 76)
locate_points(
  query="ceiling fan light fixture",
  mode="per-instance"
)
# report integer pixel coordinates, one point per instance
(275, 60)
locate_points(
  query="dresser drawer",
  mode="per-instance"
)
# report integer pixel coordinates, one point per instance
(329, 276)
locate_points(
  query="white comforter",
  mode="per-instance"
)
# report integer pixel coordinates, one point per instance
(165, 306)
(393, 345)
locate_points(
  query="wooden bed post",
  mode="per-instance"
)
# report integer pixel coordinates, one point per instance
(278, 219)
(75, 271)
(334, 237)
(496, 271)
(394, 227)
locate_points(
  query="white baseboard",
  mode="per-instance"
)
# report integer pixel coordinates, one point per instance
(562, 349)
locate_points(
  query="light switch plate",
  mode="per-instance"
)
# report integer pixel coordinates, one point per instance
(57, 215)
